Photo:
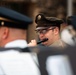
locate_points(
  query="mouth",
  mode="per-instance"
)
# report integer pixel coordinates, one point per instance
(44, 40)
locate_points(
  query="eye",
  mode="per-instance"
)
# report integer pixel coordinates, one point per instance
(44, 31)
(41, 31)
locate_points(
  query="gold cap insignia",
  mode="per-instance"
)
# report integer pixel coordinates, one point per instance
(39, 17)
(2, 23)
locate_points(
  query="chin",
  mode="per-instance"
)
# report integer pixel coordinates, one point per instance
(45, 43)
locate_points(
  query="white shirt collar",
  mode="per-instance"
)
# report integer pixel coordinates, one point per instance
(17, 43)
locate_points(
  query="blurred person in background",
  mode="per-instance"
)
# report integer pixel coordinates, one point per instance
(68, 33)
(48, 28)
(71, 20)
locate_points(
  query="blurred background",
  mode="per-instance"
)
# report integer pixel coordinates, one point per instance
(54, 8)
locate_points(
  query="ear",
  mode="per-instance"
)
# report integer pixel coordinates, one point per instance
(5, 32)
(56, 30)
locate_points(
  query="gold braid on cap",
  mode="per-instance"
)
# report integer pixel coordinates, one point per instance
(5, 19)
(2, 19)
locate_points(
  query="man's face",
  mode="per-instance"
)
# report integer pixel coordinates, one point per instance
(47, 33)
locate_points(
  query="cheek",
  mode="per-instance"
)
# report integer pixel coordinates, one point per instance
(41, 36)
(50, 35)
(1, 35)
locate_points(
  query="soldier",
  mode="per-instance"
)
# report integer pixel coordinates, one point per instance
(69, 31)
(48, 27)
(13, 31)
(13, 27)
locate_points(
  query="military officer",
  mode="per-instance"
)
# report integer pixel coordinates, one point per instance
(13, 31)
(48, 27)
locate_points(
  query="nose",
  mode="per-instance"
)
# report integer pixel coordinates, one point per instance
(41, 35)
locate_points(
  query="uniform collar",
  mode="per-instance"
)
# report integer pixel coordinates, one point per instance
(57, 43)
(17, 43)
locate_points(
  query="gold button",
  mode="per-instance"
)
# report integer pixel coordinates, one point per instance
(2, 23)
